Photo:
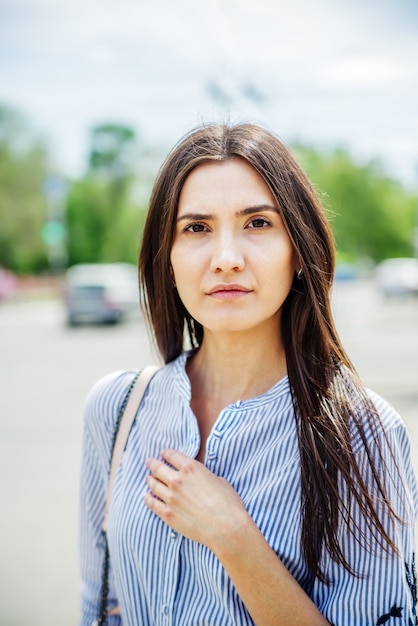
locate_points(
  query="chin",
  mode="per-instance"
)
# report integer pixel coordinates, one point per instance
(231, 326)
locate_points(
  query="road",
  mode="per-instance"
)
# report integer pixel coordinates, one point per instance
(46, 371)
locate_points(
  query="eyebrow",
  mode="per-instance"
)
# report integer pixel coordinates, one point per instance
(242, 213)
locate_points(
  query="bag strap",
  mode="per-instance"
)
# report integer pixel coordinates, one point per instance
(124, 429)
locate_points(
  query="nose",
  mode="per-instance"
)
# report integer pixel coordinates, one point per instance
(228, 254)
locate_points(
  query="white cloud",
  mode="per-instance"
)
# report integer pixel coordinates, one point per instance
(321, 71)
(362, 71)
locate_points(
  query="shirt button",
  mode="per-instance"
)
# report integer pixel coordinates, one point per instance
(165, 609)
(173, 535)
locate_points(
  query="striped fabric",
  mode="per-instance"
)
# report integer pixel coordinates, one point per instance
(161, 578)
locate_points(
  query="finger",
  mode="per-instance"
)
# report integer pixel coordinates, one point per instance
(160, 508)
(160, 470)
(154, 504)
(157, 488)
(176, 459)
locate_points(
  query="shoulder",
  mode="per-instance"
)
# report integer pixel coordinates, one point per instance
(377, 423)
(104, 401)
(389, 417)
(380, 434)
(390, 448)
(373, 418)
(391, 428)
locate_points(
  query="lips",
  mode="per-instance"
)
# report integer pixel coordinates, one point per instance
(225, 291)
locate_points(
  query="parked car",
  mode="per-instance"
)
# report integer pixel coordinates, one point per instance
(96, 293)
(398, 277)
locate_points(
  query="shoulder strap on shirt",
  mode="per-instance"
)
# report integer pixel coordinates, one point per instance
(125, 426)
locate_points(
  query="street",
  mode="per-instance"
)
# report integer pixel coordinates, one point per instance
(46, 371)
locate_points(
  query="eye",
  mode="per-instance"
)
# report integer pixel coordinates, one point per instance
(259, 222)
(196, 227)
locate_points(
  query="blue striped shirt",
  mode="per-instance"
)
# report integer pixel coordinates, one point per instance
(161, 578)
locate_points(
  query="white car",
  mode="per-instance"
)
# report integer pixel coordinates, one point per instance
(398, 277)
(100, 293)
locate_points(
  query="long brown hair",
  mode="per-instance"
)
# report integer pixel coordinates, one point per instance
(328, 397)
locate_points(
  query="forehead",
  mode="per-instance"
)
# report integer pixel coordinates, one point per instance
(230, 181)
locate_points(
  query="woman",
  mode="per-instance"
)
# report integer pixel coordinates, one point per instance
(261, 483)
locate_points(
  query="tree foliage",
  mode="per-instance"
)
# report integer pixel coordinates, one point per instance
(103, 223)
(372, 216)
(111, 150)
(99, 230)
(23, 165)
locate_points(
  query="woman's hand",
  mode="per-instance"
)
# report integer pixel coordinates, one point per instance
(191, 499)
(206, 508)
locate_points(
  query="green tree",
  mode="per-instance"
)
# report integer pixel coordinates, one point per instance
(111, 146)
(23, 167)
(103, 222)
(371, 214)
(99, 231)
(111, 158)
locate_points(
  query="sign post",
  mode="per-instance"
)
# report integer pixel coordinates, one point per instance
(54, 232)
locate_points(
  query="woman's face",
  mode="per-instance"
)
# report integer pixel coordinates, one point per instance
(232, 259)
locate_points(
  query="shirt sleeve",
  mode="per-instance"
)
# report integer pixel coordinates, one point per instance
(101, 410)
(384, 591)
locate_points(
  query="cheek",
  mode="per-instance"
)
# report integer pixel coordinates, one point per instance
(186, 261)
(177, 267)
(175, 261)
(279, 260)
(183, 274)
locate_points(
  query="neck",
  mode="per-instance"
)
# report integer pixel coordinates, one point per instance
(228, 368)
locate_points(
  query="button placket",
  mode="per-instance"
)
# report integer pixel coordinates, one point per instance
(171, 574)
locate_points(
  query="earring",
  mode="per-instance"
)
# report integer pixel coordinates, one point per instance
(300, 274)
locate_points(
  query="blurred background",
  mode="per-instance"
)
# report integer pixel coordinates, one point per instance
(92, 96)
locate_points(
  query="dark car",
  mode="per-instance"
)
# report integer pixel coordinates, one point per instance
(100, 293)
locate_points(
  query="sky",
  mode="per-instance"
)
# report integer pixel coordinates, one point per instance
(321, 72)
